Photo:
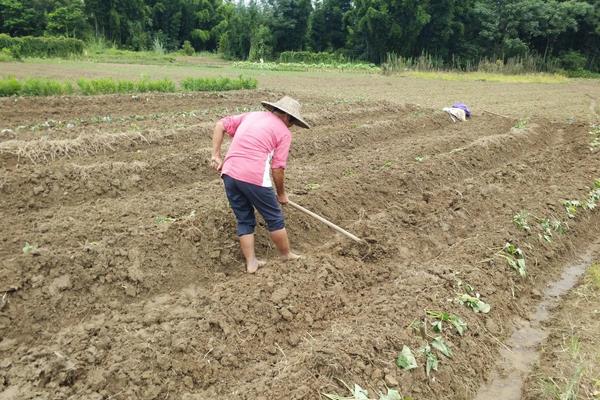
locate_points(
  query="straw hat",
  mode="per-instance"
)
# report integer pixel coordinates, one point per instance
(288, 106)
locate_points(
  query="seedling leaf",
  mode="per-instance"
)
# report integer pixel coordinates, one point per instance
(432, 361)
(360, 393)
(458, 324)
(391, 395)
(406, 359)
(440, 344)
(475, 303)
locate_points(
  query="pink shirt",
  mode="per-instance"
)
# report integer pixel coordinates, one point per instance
(261, 141)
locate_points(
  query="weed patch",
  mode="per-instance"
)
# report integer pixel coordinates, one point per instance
(218, 84)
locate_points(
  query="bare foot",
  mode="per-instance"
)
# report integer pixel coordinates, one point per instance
(291, 257)
(252, 267)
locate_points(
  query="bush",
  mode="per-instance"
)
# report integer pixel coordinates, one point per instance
(31, 46)
(6, 55)
(9, 87)
(187, 48)
(573, 61)
(109, 86)
(218, 84)
(163, 85)
(45, 87)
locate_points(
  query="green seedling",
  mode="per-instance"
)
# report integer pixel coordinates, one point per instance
(475, 303)
(30, 249)
(442, 316)
(431, 362)
(558, 226)
(440, 345)
(571, 207)
(522, 123)
(546, 227)
(358, 393)
(387, 165)
(595, 132)
(406, 359)
(520, 221)
(420, 158)
(163, 219)
(312, 186)
(515, 258)
(593, 197)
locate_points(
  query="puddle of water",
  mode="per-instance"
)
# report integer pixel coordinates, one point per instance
(522, 347)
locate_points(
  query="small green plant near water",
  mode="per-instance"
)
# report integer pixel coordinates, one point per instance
(30, 248)
(593, 276)
(358, 393)
(441, 316)
(520, 220)
(515, 258)
(522, 123)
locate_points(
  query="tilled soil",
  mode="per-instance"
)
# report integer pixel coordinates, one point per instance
(135, 286)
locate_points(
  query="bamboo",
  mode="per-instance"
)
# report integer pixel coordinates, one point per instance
(326, 222)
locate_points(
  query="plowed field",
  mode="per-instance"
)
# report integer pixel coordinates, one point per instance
(133, 286)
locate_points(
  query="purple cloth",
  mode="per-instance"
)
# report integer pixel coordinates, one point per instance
(464, 107)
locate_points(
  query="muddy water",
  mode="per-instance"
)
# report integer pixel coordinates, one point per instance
(521, 350)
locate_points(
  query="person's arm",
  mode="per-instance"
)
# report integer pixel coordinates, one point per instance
(279, 181)
(216, 160)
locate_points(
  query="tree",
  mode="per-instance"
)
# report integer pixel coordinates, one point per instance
(380, 26)
(68, 20)
(289, 23)
(20, 18)
(327, 30)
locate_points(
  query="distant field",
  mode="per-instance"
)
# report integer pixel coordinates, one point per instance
(566, 98)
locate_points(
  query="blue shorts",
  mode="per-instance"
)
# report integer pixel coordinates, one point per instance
(245, 197)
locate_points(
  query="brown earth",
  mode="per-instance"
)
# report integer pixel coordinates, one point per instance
(135, 288)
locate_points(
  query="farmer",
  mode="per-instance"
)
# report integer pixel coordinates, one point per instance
(259, 149)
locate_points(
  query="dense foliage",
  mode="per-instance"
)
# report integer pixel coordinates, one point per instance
(457, 33)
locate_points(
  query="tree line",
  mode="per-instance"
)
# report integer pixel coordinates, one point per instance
(454, 31)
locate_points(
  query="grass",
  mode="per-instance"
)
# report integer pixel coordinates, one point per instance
(47, 87)
(112, 55)
(218, 84)
(487, 77)
(304, 67)
(34, 87)
(593, 277)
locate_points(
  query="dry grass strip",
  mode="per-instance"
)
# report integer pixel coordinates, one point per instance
(45, 149)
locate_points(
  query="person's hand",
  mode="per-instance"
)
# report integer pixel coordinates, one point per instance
(216, 162)
(282, 198)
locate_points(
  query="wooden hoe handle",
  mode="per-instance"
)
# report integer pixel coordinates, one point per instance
(326, 222)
